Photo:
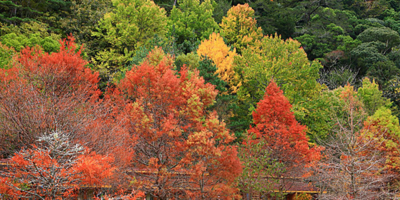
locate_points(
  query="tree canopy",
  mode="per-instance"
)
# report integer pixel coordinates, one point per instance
(199, 99)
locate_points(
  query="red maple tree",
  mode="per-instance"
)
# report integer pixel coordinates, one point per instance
(180, 150)
(45, 92)
(285, 138)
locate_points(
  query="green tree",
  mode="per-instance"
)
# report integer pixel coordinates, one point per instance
(283, 61)
(390, 17)
(82, 20)
(130, 25)
(372, 97)
(165, 45)
(30, 34)
(326, 30)
(378, 56)
(18, 42)
(387, 36)
(394, 56)
(367, 54)
(223, 101)
(317, 115)
(190, 60)
(220, 9)
(16, 12)
(383, 72)
(275, 17)
(368, 9)
(192, 21)
(259, 169)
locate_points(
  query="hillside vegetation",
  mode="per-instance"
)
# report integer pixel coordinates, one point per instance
(193, 99)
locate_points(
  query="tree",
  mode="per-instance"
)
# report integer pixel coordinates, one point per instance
(30, 34)
(285, 139)
(372, 97)
(220, 10)
(285, 62)
(326, 30)
(369, 9)
(192, 21)
(157, 56)
(215, 49)
(15, 12)
(367, 54)
(239, 27)
(353, 164)
(383, 72)
(383, 127)
(190, 60)
(385, 35)
(276, 17)
(130, 25)
(45, 92)
(54, 169)
(317, 116)
(178, 145)
(83, 18)
(6, 55)
(260, 170)
(208, 70)
(376, 51)
(21, 41)
(223, 101)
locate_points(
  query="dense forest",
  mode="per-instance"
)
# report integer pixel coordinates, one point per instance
(199, 99)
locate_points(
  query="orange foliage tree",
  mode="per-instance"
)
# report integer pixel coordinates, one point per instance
(54, 169)
(285, 139)
(180, 149)
(45, 92)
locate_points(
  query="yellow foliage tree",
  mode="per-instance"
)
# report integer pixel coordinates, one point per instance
(240, 28)
(216, 50)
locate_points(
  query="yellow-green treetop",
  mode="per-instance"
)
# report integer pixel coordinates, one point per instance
(192, 20)
(239, 27)
(131, 24)
(285, 62)
(372, 97)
